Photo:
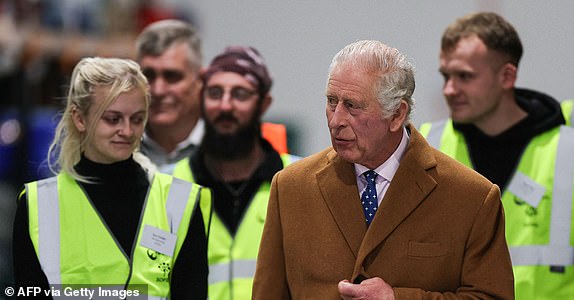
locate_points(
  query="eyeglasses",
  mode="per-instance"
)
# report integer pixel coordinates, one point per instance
(237, 93)
(170, 76)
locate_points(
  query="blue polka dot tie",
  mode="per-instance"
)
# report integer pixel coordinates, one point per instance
(369, 196)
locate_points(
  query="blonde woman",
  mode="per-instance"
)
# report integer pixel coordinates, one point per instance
(107, 218)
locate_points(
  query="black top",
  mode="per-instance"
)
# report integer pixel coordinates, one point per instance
(119, 195)
(497, 157)
(231, 199)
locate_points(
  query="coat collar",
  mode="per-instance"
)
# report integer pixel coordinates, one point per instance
(339, 189)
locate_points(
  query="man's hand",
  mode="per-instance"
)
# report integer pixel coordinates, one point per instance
(369, 289)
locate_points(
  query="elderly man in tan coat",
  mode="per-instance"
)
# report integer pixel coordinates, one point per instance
(381, 214)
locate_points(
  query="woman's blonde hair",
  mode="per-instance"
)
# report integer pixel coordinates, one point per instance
(120, 76)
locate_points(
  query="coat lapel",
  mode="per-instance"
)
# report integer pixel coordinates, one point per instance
(410, 186)
(338, 186)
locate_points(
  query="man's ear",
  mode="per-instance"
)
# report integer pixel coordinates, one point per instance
(199, 88)
(266, 102)
(79, 120)
(398, 119)
(201, 72)
(508, 75)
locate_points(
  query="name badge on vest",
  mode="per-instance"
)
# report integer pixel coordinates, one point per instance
(158, 240)
(526, 189)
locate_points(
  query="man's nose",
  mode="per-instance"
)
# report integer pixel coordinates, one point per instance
(449, 87)
(339, 116)
(158, 87)
(226, 102)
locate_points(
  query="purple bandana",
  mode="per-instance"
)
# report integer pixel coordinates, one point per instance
(245, 61)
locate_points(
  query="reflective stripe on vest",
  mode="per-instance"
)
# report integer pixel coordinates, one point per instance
(177, 199)
(568, 111)
(562, 188)
(237, 269)
(176, 202)
(558, 252)
(435, 133)
(542, 255)
(49, 229)
(181, 170)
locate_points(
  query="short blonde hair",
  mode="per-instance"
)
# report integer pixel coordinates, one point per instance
(120, 75)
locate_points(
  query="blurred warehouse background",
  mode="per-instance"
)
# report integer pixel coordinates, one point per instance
(41, 40)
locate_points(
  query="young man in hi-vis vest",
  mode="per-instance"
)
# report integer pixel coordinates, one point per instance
(516, 138)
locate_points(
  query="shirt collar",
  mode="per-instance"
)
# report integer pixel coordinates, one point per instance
(194, 138)
(388, 169)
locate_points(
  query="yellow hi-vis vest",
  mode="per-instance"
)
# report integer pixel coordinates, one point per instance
(75, 247)
(568, 110)
(231, 259)
(538, 209)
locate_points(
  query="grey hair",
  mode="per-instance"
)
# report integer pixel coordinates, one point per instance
(157, 37)
(395, 79)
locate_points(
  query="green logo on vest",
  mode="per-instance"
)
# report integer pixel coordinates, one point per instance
(165, 268)
(152, 254)
(528, 209)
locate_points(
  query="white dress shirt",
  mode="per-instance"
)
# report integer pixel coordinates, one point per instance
(385, 172)
(164, 161)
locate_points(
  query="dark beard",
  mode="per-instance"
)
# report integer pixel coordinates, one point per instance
(231, 146)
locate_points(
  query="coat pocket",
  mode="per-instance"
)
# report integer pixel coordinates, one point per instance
(428, 249)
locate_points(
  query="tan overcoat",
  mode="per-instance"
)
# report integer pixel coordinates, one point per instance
(438, 233)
